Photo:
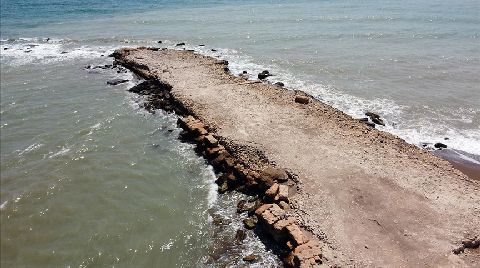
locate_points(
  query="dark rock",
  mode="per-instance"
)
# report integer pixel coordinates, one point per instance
(214, 50)
(63, 52)
(446, 138)
(88, 67)
(241, 206)
(364, 119)
(280, 84)
(218, 221)
(375, 118)
(240, 235)
(48, 39)
(262, 76)
(372, 115)
(378, 121)
(28, 51)
(180, 44)
(250, 222)
(159, 42)
(148, 87)
(5, 48)
(244, 72)
(202, 45)
(302, 99)
(223, 187)
(115, 82)
(439, 145)
(266, 72)
(251, 258)
(458, 250)
(370, 124)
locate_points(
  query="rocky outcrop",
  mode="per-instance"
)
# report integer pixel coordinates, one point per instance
(302, 99)
(375, 118)
(265, 180)
(114, 82)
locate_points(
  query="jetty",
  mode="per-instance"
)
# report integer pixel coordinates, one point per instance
(334, 190)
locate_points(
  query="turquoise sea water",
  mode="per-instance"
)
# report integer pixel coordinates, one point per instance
(88, 179)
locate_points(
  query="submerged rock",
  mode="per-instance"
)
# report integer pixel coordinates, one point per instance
(180, 44)
(115, 82)
(250, 222)
(280, 84)
(250, 258)
(240, 235)
(222, 188)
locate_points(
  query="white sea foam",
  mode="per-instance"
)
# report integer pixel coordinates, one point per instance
(30, 148)
(3, 205)
(34, 52)
(61, 152)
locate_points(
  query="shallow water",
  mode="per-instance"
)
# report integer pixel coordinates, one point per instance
(89, 179)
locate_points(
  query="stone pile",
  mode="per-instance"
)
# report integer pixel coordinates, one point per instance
(269, 184)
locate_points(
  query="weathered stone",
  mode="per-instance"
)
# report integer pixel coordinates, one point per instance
(307, 255)
(272, 191)
(250, 258)
(302, 99)
(223, 187)
(272, 215)
(262, 209)
(213, 152)
(229, 162)
(217, 220)
(210, 141)
(240, 235)
(241, 206)
(284, 205)
(279, 231)
(250, 222)
(282, 194)
(296, 234)
(275, 174)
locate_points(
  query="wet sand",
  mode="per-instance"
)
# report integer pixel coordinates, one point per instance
(372, 198)
(469, 166)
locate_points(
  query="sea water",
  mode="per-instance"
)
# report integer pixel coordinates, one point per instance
(89, 179)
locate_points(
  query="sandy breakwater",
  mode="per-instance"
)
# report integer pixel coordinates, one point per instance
(334, 190)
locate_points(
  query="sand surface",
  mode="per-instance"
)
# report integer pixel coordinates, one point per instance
(376, 200)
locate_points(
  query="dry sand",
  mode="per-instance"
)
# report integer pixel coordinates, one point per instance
(376, 200)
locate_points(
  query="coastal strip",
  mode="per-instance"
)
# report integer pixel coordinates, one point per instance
(334, 191)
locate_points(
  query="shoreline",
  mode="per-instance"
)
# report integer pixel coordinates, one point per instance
(287, 134)
(469, 167)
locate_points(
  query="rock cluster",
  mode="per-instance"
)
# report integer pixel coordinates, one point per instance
(268, 183)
